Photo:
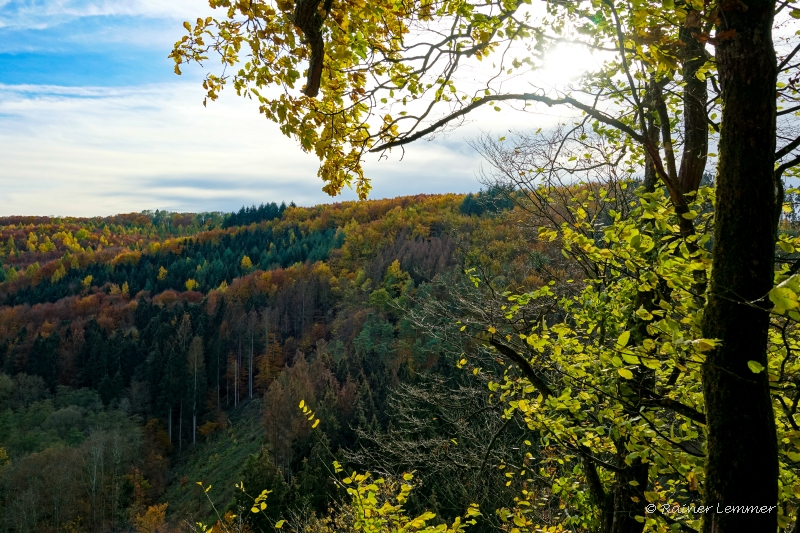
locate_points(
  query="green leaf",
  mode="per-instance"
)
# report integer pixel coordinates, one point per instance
(622, 341)
(704, 345)
(784, 298)
(630, 359)
(625, 373)
(755, 367)
(652, 496)
(653, 364)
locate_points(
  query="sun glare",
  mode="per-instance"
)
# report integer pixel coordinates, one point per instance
(565, 64)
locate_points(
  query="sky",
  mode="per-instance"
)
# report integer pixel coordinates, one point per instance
(93, 121)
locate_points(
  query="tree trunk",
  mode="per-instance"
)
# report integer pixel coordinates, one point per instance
(194, 405)
(236, 374)
(250, 371)
(695, 96)
(650, 176)
(742, 466)
(626, 498)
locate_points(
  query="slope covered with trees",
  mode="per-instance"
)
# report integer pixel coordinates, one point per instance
(126, 363)
(678, 81)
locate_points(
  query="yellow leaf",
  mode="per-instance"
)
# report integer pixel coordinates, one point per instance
(652, 496)
(703, 345)
(625, 373)
(783, 298)
(622, 341)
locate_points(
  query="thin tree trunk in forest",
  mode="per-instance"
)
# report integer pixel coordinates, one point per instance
(250, 372)
(266, 335)
(180, 427)
(194, 404)
(742, 465)
(169, 423)
(236, 373)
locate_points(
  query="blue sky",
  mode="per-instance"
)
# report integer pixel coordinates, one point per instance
(93, 121)
(90, 42)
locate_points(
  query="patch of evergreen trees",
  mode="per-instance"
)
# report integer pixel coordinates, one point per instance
(250, 215)
(208, 263)
(492, 201)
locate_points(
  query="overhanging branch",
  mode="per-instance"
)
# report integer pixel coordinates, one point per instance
(525, 97)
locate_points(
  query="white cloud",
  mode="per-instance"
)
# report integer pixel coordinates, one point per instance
(40, 14)
(91, 151)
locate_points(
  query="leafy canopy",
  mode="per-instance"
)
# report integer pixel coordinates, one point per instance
(382, 74)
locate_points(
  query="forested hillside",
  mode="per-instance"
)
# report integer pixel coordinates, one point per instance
(320, 368)
(142, 354)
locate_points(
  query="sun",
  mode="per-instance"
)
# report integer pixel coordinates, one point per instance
(564, 64)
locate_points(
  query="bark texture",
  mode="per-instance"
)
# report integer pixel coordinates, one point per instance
(742, 466)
